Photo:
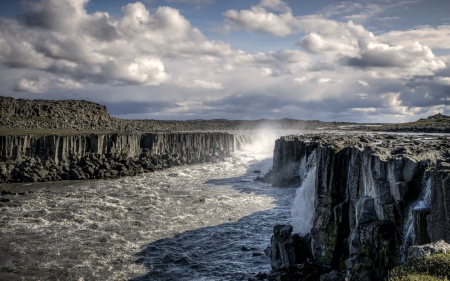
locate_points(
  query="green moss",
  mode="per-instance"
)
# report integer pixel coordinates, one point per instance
(362, 266)
(434, 267)
(330, 242)
(365, 250)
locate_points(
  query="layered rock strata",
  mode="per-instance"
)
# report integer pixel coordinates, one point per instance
(46, 158)
(370, 200)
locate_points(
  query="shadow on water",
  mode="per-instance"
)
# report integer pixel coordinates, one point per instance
(230, 251)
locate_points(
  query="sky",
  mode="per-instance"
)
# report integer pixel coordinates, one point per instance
(356, 61)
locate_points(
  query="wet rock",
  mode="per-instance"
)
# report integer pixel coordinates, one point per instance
(334, 275)
(428, 249)
(77, 174)
(282, 253)
(420, 225)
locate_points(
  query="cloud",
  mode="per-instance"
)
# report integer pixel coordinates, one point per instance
(321, 66)
(316, 80)
(155, 64)
(207, 85)
(362, 12)
(272, 63)
(259, 19)
(413, 58)
(61, 38)
(276, 5)
(129, 107)
(31, 85)
(253, 103)
(37, 84)
(363, 83)
(198, 2)
(432, 37)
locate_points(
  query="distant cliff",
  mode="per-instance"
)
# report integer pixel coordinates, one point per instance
(371, 196)
(33, 158)
(84, 116)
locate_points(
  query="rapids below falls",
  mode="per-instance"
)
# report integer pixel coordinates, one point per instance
(208, 221)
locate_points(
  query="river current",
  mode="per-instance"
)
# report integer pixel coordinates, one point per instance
(208, 221)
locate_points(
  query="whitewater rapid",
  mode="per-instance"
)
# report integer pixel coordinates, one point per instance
(192, 222)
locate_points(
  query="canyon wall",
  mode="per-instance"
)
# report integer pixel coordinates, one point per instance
(370, 198)
(45, 158)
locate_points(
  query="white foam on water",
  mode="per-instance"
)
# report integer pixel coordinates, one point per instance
(94, 230)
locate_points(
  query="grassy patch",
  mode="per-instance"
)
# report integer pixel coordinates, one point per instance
(429, 268)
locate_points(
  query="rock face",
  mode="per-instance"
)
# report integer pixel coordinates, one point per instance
(46, 158)
(370, 197)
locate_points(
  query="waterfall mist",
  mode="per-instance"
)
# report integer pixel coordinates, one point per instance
(303, 208)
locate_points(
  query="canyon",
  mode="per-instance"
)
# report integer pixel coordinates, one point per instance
(362, 199)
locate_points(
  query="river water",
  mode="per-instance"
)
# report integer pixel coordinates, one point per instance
(192, 222)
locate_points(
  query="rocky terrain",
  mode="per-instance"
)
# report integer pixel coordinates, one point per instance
(33, 158)
(374, 196)
(66, 116)
(434, 124)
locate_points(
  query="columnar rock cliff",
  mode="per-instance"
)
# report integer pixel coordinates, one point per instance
(44, 158)
(371, 198)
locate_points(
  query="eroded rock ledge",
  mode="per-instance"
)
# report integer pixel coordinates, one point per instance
(48, 158)
(370, 202)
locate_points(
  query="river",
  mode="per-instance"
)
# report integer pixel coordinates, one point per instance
(208, 221)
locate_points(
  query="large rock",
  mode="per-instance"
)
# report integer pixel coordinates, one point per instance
(283, 251)
(428, 249)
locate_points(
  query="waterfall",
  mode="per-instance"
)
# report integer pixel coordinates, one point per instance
(302, 170)
(259, 141)
(409, 236)
(303, 209)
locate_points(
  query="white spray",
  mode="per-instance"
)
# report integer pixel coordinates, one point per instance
(423, 202)
(303, 209)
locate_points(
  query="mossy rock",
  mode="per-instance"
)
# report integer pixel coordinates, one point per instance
(432, 267)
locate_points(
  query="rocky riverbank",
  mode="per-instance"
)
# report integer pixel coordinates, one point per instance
(373, 195)
(50, 158)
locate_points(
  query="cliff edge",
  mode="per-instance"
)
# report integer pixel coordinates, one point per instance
(371, 197)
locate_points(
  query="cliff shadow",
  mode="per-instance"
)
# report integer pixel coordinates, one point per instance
(228, 251)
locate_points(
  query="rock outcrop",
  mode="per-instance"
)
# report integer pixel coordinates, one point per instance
(428, 249)
(46, 158)
(370, 198)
